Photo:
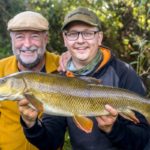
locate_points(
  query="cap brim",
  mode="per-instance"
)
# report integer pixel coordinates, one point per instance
(80, 20)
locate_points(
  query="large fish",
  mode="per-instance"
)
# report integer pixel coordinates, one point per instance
(63, 96)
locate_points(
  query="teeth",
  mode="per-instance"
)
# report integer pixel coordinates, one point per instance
(81, 48)
(24, 51)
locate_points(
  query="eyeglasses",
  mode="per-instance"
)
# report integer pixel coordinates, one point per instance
(86, 35)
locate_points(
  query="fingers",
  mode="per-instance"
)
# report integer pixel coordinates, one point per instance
(28, 114)
(63, 61)
(23, 102)
(112, 111)
(106, 122)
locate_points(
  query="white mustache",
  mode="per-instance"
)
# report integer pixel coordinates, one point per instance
(32, 49)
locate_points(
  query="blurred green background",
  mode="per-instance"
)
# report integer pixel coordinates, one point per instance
(125, 23)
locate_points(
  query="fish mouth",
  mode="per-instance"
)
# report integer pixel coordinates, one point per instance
(3, 97)
(11, 97)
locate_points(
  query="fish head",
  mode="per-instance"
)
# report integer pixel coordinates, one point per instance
(11, 88)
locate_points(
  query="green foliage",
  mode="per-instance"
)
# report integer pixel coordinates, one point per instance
(67, 145)
(8, 9)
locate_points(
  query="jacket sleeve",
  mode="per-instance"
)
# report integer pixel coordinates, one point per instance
(48, 133)
(128, 79)
(125, 134)
(129, 136)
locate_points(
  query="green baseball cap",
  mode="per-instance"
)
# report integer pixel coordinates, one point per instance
(84, 15)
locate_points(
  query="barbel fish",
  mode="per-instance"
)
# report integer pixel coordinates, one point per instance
(63, 96)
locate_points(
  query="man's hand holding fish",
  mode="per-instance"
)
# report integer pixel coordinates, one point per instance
(28, 114)
(106, 122)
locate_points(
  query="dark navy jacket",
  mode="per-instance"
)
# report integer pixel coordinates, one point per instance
(125, 135)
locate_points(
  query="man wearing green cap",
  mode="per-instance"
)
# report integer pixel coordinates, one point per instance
(83, 36)
(29, 36)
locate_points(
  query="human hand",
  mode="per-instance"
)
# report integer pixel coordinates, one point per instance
(63, 61)
(106, 122)
(28, 114)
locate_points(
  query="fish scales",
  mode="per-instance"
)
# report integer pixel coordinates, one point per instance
(70, 96)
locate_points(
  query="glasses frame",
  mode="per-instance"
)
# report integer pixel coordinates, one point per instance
(83, 35)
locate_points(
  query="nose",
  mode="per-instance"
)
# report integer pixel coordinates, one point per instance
(27, 42)
(80, 38)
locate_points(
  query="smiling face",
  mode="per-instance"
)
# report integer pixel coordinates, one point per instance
(82, 50)
(29, 47)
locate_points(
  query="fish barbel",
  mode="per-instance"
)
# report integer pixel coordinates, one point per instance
(63, 96)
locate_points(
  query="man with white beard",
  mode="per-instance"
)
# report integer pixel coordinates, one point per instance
(29, 36)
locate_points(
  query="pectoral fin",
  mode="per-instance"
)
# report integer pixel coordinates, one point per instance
(34, 101)
(130, 115)
(83, 123)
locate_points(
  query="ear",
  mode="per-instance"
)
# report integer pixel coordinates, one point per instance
(65, 40)
(100, 35)
(46, 38)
